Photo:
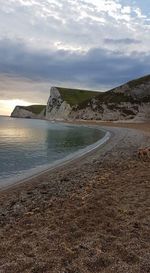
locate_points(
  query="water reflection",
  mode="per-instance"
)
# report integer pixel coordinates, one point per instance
(69, 140)
(26, 144)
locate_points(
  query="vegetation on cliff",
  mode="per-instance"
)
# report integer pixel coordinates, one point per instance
(139, 81)
(76, 96)
(35, 109)
(125, 101)
(123, 93)
(84, 98)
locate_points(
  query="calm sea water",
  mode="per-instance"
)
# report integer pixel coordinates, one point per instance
(28, 144)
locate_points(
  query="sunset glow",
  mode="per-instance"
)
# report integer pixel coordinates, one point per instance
(87, 44)
(7, 106)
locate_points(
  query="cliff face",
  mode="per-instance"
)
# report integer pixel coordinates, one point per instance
(57, 108)
(130, 101)
(33, 111)
(127, 102)
(114, 112)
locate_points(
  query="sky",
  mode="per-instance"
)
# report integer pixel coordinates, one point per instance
(90, 44)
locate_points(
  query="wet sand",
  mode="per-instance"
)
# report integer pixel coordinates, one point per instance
(91, 215)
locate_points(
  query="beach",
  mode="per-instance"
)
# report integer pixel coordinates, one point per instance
(89, 215)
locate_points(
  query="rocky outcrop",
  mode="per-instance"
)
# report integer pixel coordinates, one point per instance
(33, 111)
(130, 101)
(113, 112)
(127, 102)
(20, 112)
(63, 101)
(57, 108)
(138, 89)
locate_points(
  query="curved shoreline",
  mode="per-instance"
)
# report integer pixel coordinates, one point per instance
(93, 211)
(36, 172)
(116, 135)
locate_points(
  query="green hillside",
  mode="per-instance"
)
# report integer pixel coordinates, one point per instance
(76, 96)
(139, 81)
(117, 97)
(35, 109)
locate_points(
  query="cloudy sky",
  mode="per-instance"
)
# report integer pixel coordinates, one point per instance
(94, 44)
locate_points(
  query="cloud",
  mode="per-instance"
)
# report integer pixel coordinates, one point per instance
(126, 41)
(73, 24)
(81, 43)
(96, 68)
(14, 87)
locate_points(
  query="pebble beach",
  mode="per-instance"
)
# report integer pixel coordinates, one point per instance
(90, 215)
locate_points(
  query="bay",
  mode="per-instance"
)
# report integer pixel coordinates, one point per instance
(27, 144)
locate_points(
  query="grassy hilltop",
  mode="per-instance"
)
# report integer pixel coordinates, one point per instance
(129, 95)
(76, 96)
(139, 81)
(82, 98)
(35, 109)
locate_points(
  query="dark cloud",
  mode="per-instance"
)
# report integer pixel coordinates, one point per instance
(126, 41)
(95, 69)
(12, 87)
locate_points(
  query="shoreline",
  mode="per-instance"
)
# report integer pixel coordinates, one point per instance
(88, 216)
(71, 158)
(76, 157)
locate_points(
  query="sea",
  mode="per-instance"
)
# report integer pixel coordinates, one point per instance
(29, 146)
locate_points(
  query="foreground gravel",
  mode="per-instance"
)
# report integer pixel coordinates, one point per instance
(89, 216)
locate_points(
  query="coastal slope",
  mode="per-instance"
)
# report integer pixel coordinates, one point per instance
(62, 101)
(130, 101)
(32, 111)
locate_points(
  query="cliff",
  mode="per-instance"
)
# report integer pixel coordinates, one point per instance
(32, 111)
(63, 101)
(130, 101)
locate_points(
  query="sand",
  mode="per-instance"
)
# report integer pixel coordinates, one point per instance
(91, 215)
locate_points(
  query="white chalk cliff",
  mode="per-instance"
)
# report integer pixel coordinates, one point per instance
(130, 101)
(27, 112)
(57, 108)
(127, 102)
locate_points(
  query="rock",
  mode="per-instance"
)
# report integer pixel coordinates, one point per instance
(128, 102)
(32, 111)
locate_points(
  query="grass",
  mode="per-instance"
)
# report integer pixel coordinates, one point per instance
(82, 98)
(35, 109)
(116, 98)
(108, 97)
(139, 81)
(76, 96)
(111, 97)
(134, 83)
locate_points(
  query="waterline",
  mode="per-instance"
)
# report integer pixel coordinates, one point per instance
(40, 146)
(34, 172)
